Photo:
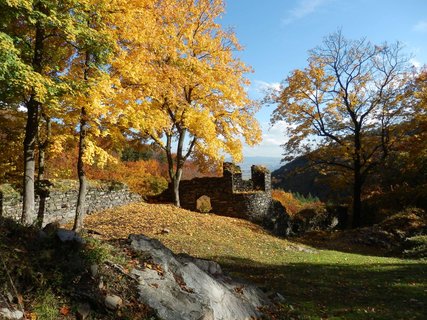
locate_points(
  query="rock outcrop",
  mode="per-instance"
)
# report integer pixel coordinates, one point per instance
(183, 287)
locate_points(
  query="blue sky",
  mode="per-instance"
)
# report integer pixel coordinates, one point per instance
(276, 35)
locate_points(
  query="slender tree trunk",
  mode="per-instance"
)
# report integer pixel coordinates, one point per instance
(31, 128)
(180, 159)
(81, 199)
(43, 145)
(357, 197)
(41, 165)
(176, 192)
(28, 209)
(357, 183)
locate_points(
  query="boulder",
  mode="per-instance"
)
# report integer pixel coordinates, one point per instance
(113, 302)
(278, 220)
(83, 311)
(203, 204)
(65, 235)
(183, 287)
(6, 313)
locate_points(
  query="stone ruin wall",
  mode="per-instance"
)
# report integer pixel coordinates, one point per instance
(229, 195)
(61, 205)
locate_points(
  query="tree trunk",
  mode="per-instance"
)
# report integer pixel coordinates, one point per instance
(357, 197)
(42, 149)
(357, 183)
(42, 158)
(31, 128)
(28, 208)
(176, 199)
(81, 200)
(176, 182)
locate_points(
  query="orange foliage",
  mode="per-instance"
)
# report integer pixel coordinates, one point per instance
(292, 204)
(287, 200)
(192, 170)
(146, 177)
(62, 165)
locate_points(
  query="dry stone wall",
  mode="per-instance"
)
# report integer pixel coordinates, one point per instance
(60, 206)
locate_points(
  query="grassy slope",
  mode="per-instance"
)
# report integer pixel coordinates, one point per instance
(318, 284)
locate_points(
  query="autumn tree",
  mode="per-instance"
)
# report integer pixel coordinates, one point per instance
(33, 33)
(346, 104)
(185, 90)
(410, 158)
(12, 124)
(86, 108)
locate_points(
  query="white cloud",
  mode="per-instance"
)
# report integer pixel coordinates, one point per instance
(421, 26)
(272, 139)
(416, 63)
(264, 87)
(302, 9)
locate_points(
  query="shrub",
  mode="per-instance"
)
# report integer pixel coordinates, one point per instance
(143, 177)
(293, 203)
(417, 247)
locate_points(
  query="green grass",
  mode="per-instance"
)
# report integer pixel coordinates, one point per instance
(46, 306)
(317, 284)
(337, 285)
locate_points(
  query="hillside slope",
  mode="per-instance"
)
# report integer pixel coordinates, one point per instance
(297, 176)
(315, 283)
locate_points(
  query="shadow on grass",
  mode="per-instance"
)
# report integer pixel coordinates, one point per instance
(50, 274)
(42, 266)
(348, 241)
(342, 291)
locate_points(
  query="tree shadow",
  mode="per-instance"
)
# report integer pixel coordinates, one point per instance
(349, 241)
(343, 291)
(39, 262)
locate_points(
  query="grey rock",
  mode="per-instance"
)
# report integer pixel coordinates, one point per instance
(11, 314)
(94, 270)
(113, 302)
(9, 296)
(65, 235)
(208, 266)
(51, 227)
(280, 298)
(183, 287)
(83, 311)
(42, 235)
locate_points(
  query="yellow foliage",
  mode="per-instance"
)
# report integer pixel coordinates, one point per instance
(180, 79)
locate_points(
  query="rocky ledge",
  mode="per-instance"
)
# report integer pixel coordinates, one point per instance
(183, 287)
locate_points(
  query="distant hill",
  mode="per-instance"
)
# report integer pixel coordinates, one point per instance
(271, 163)
(297, 176)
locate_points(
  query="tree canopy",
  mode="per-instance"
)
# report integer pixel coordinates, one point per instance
(185, 89)
(346, 104)
(112, 70)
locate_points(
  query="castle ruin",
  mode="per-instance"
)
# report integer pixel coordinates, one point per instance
(229, 195)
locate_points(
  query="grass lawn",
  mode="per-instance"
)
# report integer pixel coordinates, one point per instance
(316, 283)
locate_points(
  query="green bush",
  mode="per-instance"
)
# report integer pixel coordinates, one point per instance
(417, 247)
(305, 199)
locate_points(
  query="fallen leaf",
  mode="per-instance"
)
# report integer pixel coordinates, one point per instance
(65, 310)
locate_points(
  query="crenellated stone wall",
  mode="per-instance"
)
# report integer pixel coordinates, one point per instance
(229, 195)
(60, 205)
